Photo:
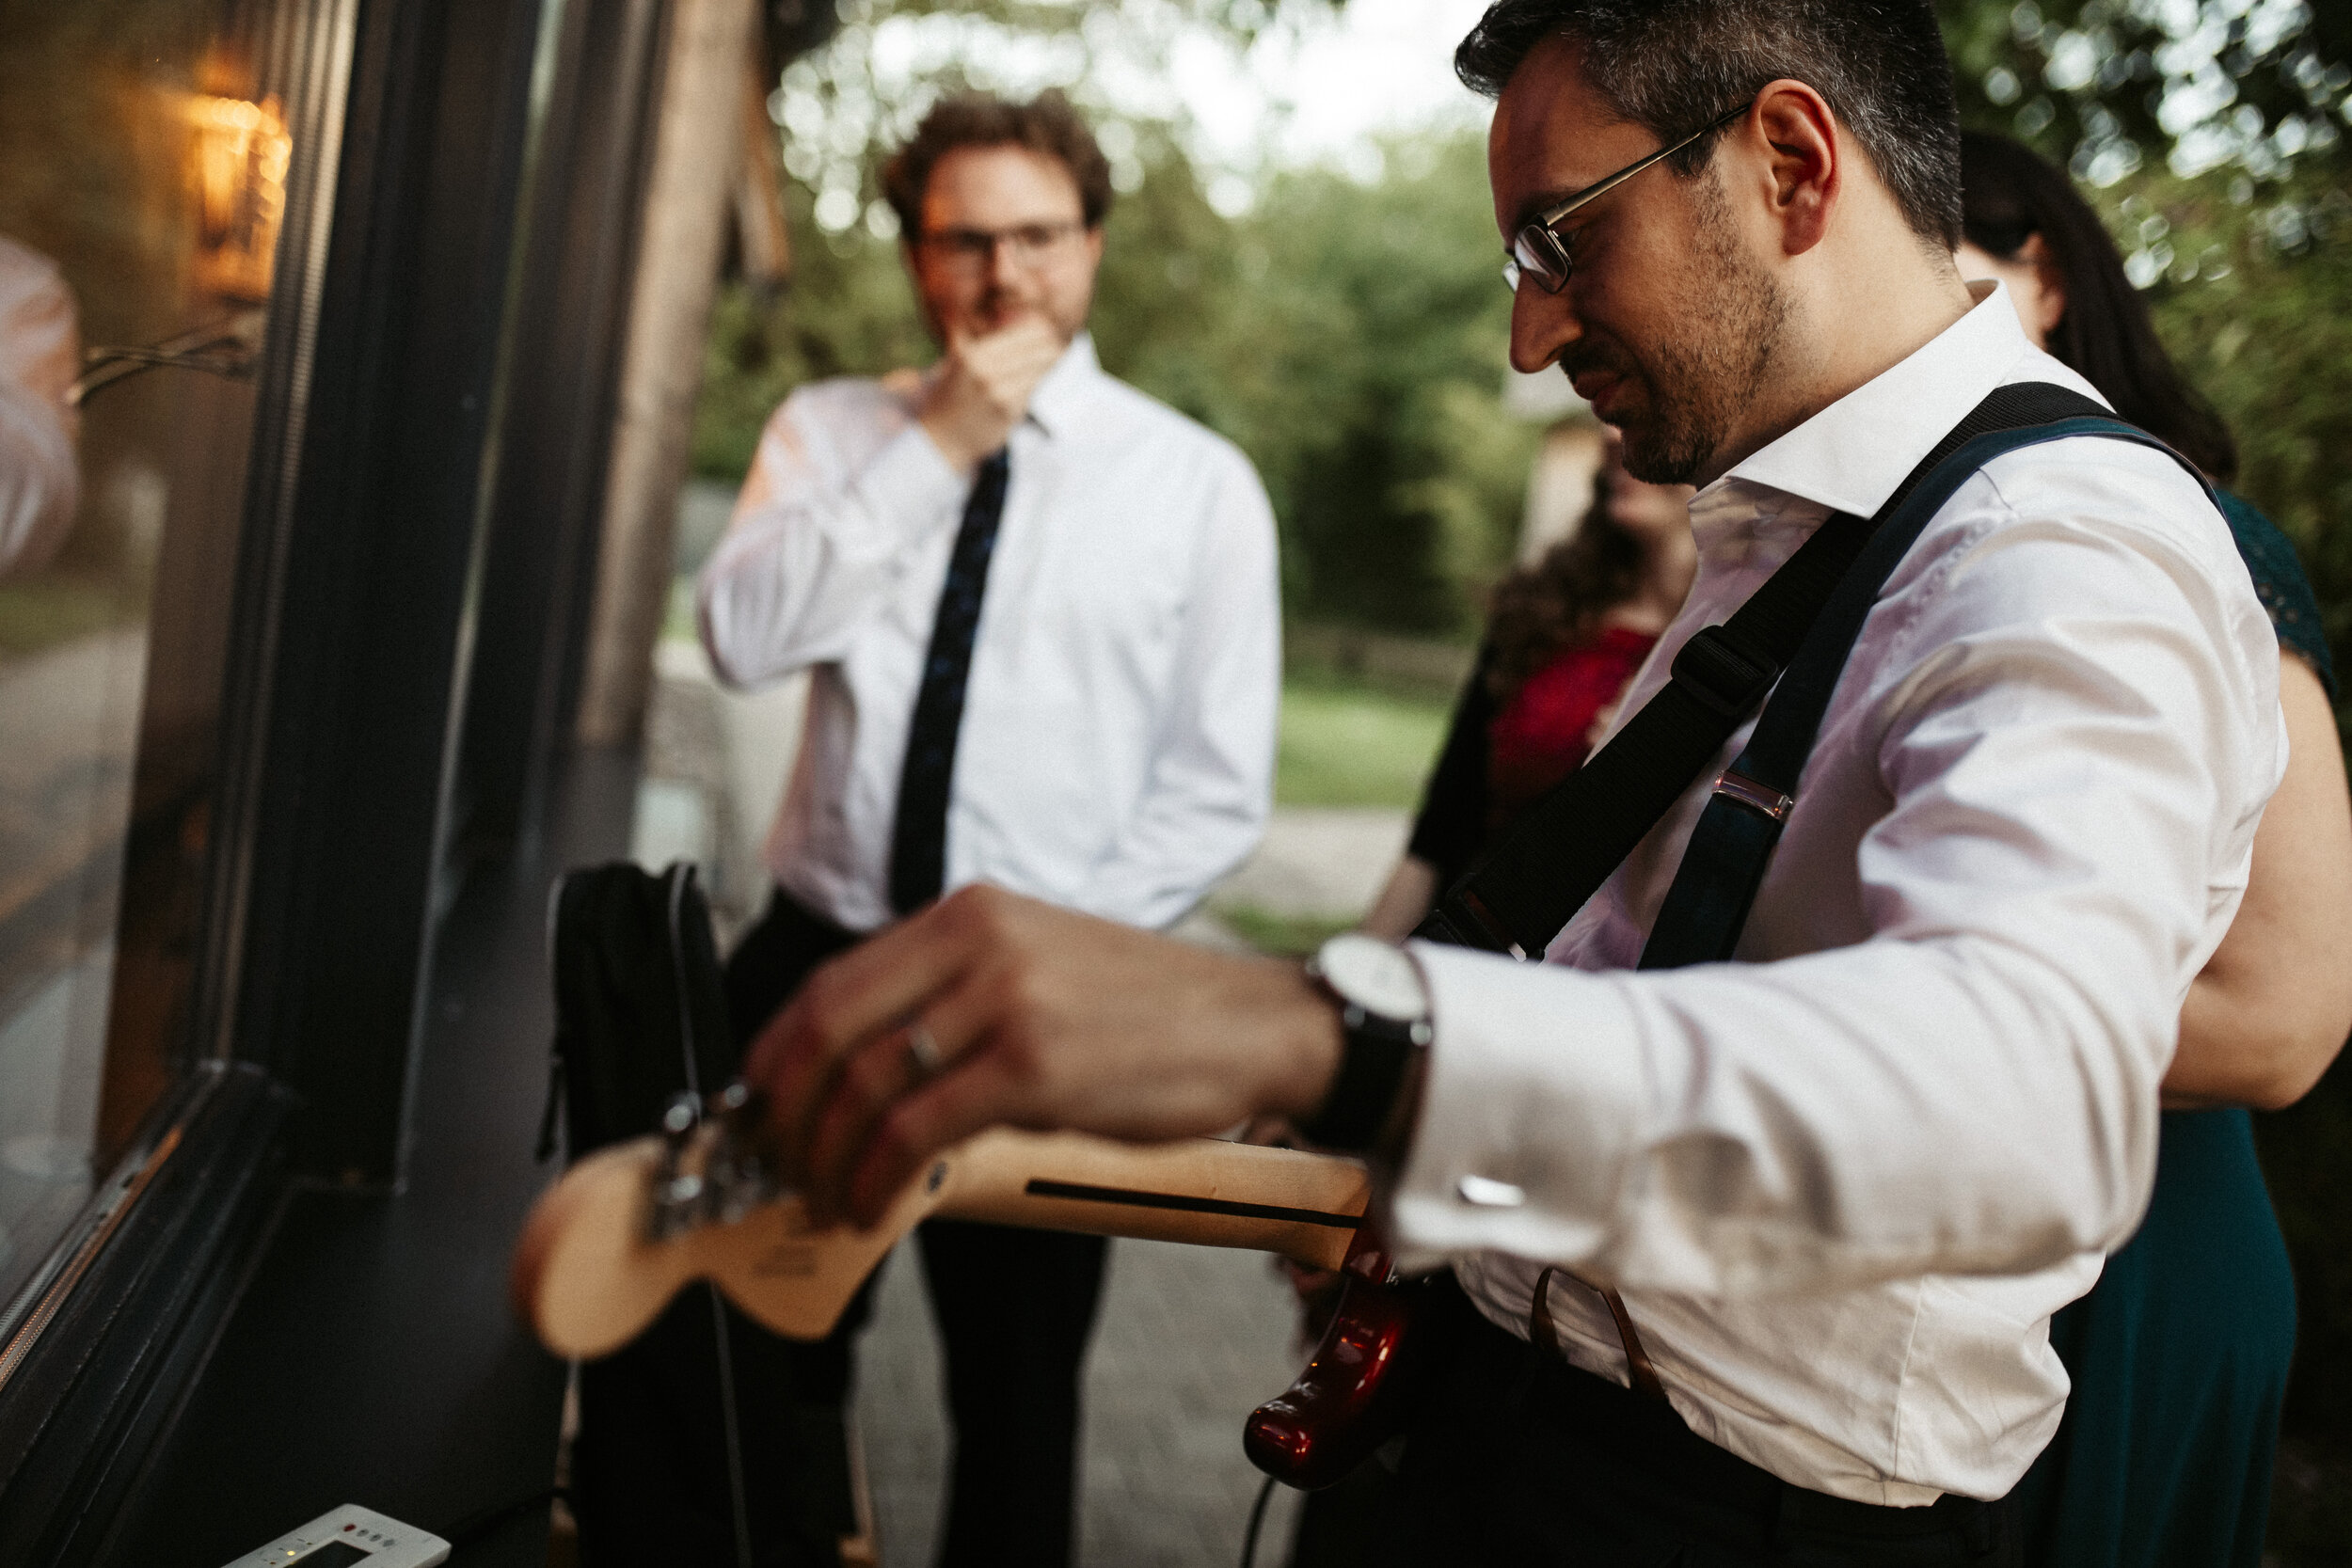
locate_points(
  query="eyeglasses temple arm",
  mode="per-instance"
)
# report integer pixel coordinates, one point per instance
(1602, 187)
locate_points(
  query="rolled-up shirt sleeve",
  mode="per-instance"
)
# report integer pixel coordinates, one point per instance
(824, 523)
(2069, 737)
(1211, 785)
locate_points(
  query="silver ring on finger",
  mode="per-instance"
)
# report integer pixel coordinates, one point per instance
(923, 1052)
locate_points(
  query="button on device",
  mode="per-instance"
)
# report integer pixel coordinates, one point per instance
(352, 1536)
(1485, 1192)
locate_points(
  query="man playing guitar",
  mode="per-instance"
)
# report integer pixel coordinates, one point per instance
(1839, 1184)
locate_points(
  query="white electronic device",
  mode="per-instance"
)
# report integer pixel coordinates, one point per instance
(351, 1537)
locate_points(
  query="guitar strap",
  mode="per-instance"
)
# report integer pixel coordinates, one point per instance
(1707, 904)
(1797, 630)
(1519, 894)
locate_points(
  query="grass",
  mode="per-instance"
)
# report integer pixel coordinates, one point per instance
(49, 610)
(1281, 936)
(679, 624)
(1347, 744)
(1344, 741)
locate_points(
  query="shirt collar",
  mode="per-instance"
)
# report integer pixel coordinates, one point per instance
(1066, 386)
(1851, 456)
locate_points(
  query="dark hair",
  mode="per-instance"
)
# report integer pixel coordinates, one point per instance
(1543, 607)
(1673, 65)
(2009, 196)
(1046, 124)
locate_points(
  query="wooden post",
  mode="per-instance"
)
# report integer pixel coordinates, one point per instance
(762, 234)
(691, 189)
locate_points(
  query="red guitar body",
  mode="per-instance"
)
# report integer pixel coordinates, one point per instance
(1351, 1397)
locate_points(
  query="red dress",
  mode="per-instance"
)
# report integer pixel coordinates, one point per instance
(1545, 731)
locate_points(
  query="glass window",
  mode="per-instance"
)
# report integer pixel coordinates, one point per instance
(143, 161)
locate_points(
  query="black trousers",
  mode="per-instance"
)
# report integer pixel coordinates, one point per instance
(1514, 1457)
(1014, 1308)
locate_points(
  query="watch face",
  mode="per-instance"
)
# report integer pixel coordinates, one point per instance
(1380, 978)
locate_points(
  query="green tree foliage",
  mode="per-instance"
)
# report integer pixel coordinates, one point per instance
(2251, 85)
(1348, 334)
(1350, 337)
(2212, 136)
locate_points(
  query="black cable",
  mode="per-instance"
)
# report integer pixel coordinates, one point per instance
(1257, 1518)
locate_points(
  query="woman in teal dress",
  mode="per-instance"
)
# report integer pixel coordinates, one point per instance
(2180, 1354)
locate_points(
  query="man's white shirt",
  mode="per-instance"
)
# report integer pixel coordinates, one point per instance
(1116, 751)
(1844, 1182)
(40, 354)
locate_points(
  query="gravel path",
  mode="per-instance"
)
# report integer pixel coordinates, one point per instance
(1189, 1340)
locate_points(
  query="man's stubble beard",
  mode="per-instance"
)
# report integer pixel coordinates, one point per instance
(1702, 377)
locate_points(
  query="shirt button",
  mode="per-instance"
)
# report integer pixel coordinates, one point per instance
(1485, 1192)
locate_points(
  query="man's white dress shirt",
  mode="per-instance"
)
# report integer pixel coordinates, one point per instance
(40, 354)
(1116, 753)
(1844, 1182)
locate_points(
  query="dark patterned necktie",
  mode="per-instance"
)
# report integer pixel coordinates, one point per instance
(919, 836)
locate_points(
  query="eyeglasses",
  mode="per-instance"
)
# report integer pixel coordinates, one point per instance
(1029, 245)
(1541, 254)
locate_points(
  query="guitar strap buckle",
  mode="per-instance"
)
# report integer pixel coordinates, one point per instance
(1761, 798)
(1723, 670)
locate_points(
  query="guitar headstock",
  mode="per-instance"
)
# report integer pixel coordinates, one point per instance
(628, 1226)
(607, 1249)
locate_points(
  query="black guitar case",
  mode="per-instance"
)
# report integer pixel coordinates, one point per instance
(708, 1443)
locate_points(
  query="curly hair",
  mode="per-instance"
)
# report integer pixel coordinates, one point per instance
(1559, 600)
(1046, 125)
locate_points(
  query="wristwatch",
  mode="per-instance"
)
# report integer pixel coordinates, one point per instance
(1384, 1014)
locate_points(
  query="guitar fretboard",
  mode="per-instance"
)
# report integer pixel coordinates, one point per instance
(1185, 1204)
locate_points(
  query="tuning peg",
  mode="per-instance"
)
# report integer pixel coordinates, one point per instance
(740, 1169)
(677, 1193)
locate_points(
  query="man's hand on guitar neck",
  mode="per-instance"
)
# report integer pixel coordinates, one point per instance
(1037, 1018)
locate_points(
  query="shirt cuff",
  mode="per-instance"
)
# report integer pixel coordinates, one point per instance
(909, 477)
(1530, 1112)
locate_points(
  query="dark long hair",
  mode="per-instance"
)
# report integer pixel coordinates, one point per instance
(1559, 599)
(2008, 195)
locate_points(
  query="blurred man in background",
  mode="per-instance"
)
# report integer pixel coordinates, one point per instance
(1041, 610)
(40, 352)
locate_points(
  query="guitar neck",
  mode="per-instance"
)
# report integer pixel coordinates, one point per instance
(590, 1274)
(1204, 1192)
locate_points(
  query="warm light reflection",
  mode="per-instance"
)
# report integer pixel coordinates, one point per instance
(241, 152)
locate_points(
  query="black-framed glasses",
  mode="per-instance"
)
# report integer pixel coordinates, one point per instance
(1028, 244)
(1538, 252)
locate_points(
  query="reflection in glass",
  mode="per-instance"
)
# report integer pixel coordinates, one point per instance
(143, 164)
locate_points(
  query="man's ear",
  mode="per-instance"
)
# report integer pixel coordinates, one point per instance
(1793, 137)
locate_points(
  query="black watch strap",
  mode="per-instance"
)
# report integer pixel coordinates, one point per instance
(1373, 1057)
